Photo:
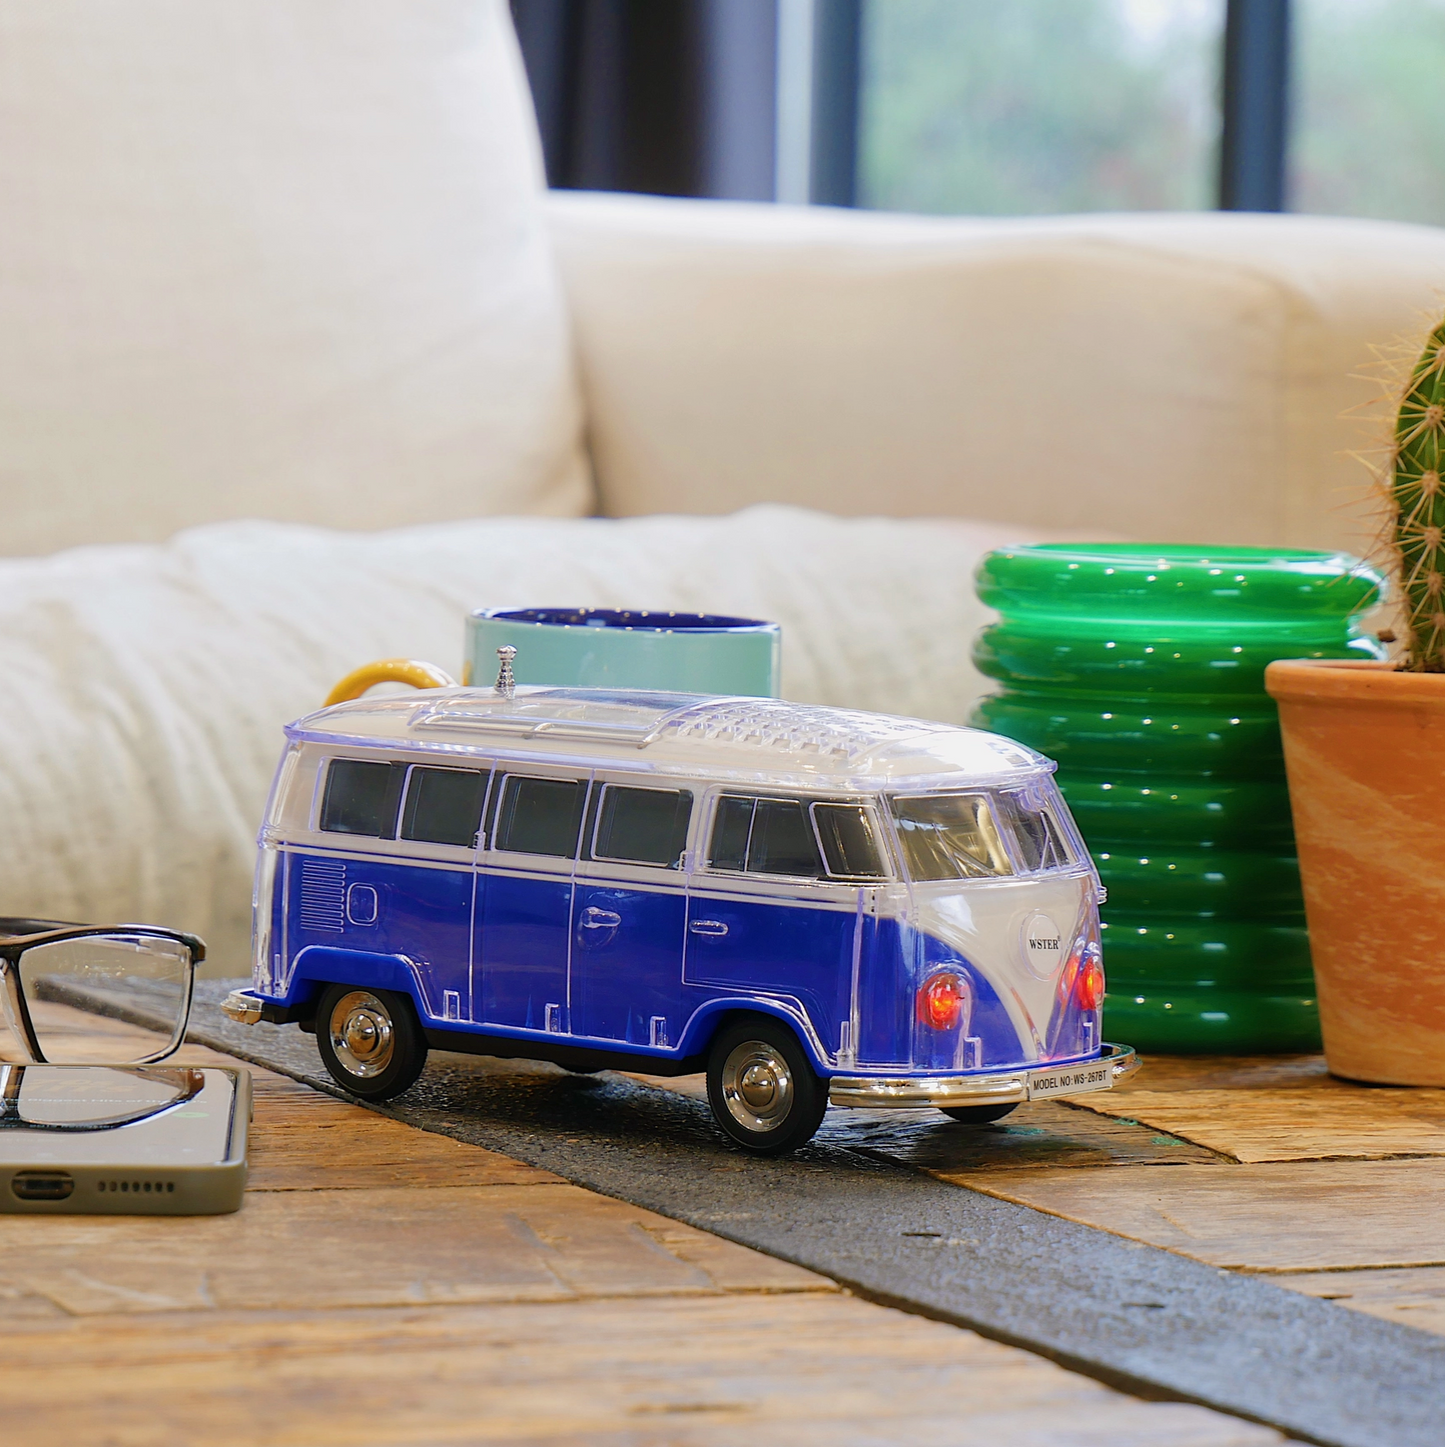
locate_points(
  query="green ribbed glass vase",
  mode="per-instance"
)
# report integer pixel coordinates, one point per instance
(1140, 668)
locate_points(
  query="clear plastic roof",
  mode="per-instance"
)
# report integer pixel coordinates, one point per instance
(759, 733)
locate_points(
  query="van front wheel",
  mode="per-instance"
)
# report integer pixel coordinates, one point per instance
(762, 1089)
(370, 1040)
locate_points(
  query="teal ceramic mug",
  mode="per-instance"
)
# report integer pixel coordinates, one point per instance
(628, 648)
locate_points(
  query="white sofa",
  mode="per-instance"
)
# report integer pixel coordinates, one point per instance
(298, 362)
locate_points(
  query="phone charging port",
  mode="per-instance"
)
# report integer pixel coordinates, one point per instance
(42, 1185)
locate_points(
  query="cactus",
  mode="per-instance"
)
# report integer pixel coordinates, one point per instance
(1416, 507)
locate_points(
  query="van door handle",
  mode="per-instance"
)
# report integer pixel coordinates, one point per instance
(594, 918)
(713, 927)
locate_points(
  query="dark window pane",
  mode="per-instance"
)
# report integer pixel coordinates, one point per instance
(540, 816)
(444, 806)
(643, 826)
(361, 798)
(849, 843)
(782, 840)
(730, 833)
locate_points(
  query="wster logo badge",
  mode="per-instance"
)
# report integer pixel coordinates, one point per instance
(1044, 949)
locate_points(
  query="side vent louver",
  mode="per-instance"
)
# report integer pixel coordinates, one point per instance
(323, 895)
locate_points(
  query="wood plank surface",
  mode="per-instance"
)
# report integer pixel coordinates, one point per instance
(393, 1246)
(303, 1140)
(1307, 1216)
(1412, 1295)
(1325, 1121)
(383, 1287)
(810, 1370)
(1227, 1072)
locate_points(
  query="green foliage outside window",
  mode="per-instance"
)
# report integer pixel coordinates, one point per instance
(1030, 106)
(1369, 114)
(1020, 107)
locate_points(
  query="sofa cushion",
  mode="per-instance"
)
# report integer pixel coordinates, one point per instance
(1183, 377)
(276, 258)
(146, 686)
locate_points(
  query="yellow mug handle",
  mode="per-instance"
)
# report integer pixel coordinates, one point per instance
(389, 670)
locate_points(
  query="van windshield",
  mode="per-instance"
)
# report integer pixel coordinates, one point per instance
(976, 836)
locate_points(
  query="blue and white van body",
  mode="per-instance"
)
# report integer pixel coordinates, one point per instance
(604, 878)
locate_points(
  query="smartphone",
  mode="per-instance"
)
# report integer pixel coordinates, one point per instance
(127, 1140)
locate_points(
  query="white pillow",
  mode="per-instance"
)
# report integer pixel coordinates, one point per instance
(275, 258)
(146, 687)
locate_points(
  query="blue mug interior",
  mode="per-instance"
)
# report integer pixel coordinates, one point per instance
(652, 620)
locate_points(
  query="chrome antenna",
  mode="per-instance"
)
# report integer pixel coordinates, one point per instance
(506, 685)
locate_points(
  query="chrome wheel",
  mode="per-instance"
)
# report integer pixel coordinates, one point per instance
(362, 1035)
(757, 1085)
(762, 1087)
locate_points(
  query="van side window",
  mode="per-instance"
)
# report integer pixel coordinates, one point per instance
(782, 842)
(361, 797)
(765, 836)
(444, 806)
(643, 826)
(849, 840)
(730, 830)
(540, 816)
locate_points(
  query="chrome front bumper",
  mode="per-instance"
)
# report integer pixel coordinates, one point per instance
(1007, 1088)
(242, 1007)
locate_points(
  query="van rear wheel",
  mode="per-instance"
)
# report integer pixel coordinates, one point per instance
(762, 1089)
(978, 1114)
(369, 1040)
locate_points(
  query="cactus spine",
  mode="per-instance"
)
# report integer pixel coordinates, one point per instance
(1417, 507)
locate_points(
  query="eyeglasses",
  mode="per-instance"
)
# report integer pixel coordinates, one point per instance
(96, 994)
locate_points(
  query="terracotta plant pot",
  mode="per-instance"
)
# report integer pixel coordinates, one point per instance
(1364, 750)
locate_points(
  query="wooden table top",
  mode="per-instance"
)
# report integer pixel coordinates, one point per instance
(382, 1285)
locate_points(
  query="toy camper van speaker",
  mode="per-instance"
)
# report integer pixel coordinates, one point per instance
(628, 648)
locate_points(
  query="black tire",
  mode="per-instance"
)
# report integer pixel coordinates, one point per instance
(977, 1114)
(370, 1040)
(785, 1098)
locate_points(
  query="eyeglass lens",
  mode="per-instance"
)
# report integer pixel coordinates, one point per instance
(114, 998)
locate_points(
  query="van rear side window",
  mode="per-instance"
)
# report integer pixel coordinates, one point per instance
(540, 816)
(444, 806)
(362, 797)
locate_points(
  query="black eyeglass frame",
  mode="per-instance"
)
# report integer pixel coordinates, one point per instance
(18, 935)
